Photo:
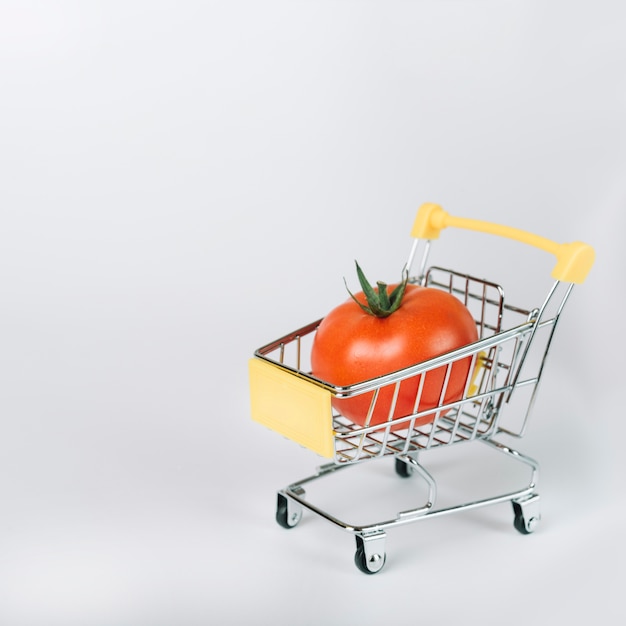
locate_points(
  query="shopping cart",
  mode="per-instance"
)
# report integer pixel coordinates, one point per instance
(509, 355)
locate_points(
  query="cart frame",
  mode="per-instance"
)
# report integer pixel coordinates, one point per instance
(510, 354)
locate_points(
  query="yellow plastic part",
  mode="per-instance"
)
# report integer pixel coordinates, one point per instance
(574, 260)
(293, 407)
(480, 363)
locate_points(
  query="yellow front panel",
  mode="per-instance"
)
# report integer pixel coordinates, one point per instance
(291, 406)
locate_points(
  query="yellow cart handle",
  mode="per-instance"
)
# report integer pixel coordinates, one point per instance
(574, 260)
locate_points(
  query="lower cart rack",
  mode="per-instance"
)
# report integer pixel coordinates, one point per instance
(370, 555)
(507, 360)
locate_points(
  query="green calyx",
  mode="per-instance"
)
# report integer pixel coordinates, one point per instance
(380, 303)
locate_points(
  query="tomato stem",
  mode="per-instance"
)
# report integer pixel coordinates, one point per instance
(380, 303)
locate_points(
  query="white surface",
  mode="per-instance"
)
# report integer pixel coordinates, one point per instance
(182, 182)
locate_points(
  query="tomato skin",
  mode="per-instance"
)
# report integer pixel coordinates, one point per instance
(351, 346)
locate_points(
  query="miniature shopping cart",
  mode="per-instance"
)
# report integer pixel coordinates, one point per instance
(508, 357)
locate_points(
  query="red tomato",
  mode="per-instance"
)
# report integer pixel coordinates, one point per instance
(351, 346)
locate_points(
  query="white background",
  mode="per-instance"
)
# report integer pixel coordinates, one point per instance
(181, 182)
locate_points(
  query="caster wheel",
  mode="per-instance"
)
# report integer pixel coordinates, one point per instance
(368, 564)
(403, 469)
(288, 512)
(527, 515)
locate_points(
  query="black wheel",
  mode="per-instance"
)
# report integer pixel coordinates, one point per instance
(285, 517)
(523, 525)
(373, 565)
(403, 469)
(520, 525)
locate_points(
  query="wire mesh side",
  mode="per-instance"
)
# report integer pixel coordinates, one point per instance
(472, 415)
